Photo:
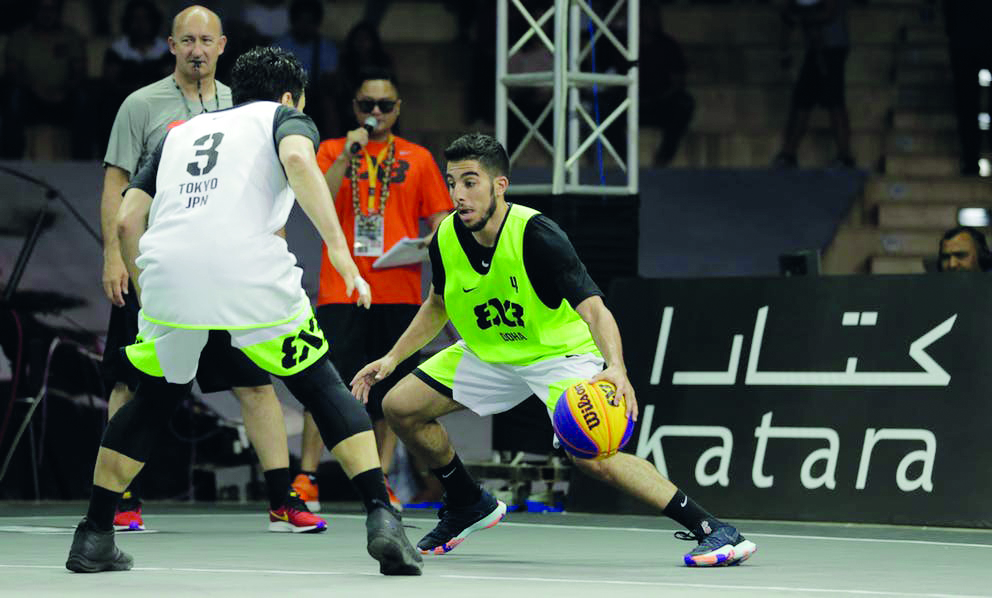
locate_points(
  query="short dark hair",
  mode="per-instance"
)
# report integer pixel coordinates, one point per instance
(375, 73)
(265, 73)
(981, 246)
(484, 148)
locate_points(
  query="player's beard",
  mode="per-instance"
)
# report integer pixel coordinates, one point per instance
(481, 224)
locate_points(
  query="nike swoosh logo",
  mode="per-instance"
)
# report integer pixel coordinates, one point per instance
(283, 517)
(464, 290)
(485, 264)
(448, 475)
(685, 499)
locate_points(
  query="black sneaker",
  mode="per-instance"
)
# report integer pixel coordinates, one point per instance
(388, 544)
(723, 546)
(458, 522)
(93, 551)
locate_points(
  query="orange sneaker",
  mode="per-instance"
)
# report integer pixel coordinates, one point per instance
(308, 492)
(293, 516)
(129, 520)
(395, 502)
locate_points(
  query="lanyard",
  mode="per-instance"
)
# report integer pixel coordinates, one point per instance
(189, 113)
(373, 169)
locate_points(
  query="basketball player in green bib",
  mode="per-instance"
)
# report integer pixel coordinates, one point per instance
(532, 321)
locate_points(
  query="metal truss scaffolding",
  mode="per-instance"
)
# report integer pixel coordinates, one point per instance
(570, 49)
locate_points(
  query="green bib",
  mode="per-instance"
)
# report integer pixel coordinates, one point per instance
(498, 314)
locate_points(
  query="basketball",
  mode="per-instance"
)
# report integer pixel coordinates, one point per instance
(591, 420)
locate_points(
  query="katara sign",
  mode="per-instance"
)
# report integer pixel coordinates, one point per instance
(854, 398)
(932, 374)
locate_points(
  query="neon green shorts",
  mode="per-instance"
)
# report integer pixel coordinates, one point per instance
(173, 353)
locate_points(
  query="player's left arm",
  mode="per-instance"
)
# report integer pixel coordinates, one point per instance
(132, 221)
(549, 255)
(606, 335)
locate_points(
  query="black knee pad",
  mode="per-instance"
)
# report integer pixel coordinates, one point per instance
(135, 429)
(337, 413)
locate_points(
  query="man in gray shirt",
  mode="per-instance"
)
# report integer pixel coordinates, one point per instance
(143, 120)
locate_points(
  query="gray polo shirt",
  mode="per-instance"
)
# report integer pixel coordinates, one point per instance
(147, 115)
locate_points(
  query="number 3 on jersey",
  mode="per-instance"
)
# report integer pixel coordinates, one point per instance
(210, 152)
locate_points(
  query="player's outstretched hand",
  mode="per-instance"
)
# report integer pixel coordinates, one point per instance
(115, 279)
(619, 379)
(369, 375)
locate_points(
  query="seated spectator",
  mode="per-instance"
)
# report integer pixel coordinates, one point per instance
(46, 65)
(319, 57)
(664, 102)
(267, 20)
(821, 77)
(139, 57)
(532, 101)
(362, 51)
(480, 105)
(963, 249)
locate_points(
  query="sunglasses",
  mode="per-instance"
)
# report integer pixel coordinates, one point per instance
(367, 106)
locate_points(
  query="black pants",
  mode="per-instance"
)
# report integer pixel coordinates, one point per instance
(358, 336)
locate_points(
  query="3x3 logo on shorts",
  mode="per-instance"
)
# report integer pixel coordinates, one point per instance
(304, 340)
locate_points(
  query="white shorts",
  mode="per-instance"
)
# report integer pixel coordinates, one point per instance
(488, 388)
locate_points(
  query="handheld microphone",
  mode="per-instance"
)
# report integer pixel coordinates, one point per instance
(369, 125)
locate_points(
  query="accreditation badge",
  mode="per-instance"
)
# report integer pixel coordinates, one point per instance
(369, 234)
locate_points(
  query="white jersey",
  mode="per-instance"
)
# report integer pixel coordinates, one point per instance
(211, 257)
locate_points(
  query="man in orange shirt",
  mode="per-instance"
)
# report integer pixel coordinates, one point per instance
(381, 192)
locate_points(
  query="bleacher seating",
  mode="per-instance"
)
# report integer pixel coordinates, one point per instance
(898, 90)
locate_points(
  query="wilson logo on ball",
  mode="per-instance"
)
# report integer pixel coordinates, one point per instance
(585, 406)
(591, 421)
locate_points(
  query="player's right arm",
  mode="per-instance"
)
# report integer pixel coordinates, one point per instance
(130, 223)
(298, 159)
(430, 319)
(115, 276)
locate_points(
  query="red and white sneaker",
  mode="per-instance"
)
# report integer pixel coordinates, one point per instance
(394, 502)
(308, 492)
(129, 520)
(293, 516)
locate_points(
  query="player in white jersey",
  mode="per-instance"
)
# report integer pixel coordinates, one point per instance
(196, 229)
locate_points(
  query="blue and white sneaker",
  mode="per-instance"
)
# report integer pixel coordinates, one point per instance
(720, 547)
